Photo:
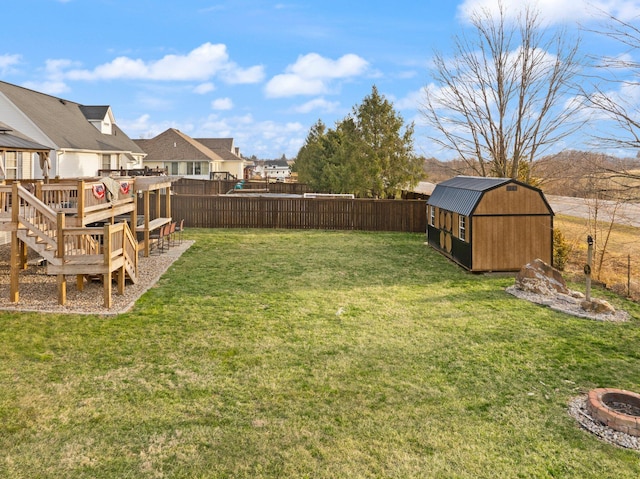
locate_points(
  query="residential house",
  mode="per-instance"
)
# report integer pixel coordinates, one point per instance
(274, 170)
(80, 139)
(237, 166)
(202, 158)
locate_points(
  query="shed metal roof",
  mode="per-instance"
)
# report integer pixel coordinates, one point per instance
(462, 193)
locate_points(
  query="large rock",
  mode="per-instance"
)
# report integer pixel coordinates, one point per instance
(540, 278)
(598, 306)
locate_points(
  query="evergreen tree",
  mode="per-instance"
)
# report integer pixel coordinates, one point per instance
(367, 153)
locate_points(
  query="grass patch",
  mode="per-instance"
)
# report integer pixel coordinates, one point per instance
(311, 354)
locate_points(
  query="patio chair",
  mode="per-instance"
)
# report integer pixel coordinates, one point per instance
(159, 236)
(179, 230)
(171, 232)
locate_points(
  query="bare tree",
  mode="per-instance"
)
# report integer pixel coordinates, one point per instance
(503, 96)
(613, 94)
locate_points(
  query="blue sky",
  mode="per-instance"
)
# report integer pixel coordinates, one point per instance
(262, 72)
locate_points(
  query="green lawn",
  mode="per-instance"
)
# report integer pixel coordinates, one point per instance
(311, 354)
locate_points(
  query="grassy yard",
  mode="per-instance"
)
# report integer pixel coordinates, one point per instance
(311, 354)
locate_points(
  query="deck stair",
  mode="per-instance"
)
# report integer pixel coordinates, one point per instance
(77, 250)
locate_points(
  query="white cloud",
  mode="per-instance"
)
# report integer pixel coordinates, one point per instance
(292, 85)
(202, 63)
(558, 10)
(312, 74)
(49, 87)
(235, 75)
(222, 104)
(7, 62)
(204, 88)
(412, 101)
(317, 104)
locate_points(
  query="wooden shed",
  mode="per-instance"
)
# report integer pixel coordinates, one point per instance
(490, 224)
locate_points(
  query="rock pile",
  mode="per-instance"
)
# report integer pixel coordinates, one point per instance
(541, 283)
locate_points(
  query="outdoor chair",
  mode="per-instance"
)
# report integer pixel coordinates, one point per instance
(159, 236)
(171, 233)
(179, 230)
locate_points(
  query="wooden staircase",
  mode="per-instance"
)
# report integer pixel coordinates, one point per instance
(80, 251)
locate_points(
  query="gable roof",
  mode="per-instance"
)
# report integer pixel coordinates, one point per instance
(217, 143)
(462, 193)
(173, 145)
(223, 147)
(94, 112)
(65, 122)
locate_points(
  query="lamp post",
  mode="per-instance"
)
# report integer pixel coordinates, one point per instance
(587, 268)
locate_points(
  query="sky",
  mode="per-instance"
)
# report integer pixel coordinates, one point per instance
(259, 71)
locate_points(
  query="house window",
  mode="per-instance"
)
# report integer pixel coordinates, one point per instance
(173, 168)
(432, 217)
(13, 165)
(462, 227)
(106, 162)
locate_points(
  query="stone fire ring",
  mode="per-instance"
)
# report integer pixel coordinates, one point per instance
(601, 403)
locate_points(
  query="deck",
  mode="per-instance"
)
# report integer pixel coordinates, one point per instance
(58, 220)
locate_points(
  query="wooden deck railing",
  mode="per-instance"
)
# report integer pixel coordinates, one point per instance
(69, 250)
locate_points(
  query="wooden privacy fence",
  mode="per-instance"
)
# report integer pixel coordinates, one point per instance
(230, 211)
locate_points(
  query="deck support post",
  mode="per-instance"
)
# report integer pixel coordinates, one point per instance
(106, 251)
(147, 214)
(14, 290)
(62, 280)
(14, 294)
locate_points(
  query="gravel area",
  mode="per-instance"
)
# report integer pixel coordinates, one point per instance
(567, 304)
(39, 291)
(578, 410)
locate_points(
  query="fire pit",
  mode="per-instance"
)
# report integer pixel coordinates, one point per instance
(617, 408)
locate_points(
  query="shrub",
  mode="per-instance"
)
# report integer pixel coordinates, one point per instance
(561, 250)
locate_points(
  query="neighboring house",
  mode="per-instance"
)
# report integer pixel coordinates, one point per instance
(81, 139)
(490, 224)
(275, 170)
(234, 163)
(182, 155)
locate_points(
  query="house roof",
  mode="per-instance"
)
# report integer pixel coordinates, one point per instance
(65, 122)
(10, 139)
(222, 147)
(173, 145)
(217, 143)
(462, 193)
(94, 112)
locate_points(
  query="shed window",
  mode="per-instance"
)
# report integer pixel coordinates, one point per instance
(432, 216)
(462, 227)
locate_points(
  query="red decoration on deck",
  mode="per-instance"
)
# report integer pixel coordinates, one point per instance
(99, 191)
(125, 187)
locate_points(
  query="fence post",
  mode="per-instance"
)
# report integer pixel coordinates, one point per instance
(629, 275)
